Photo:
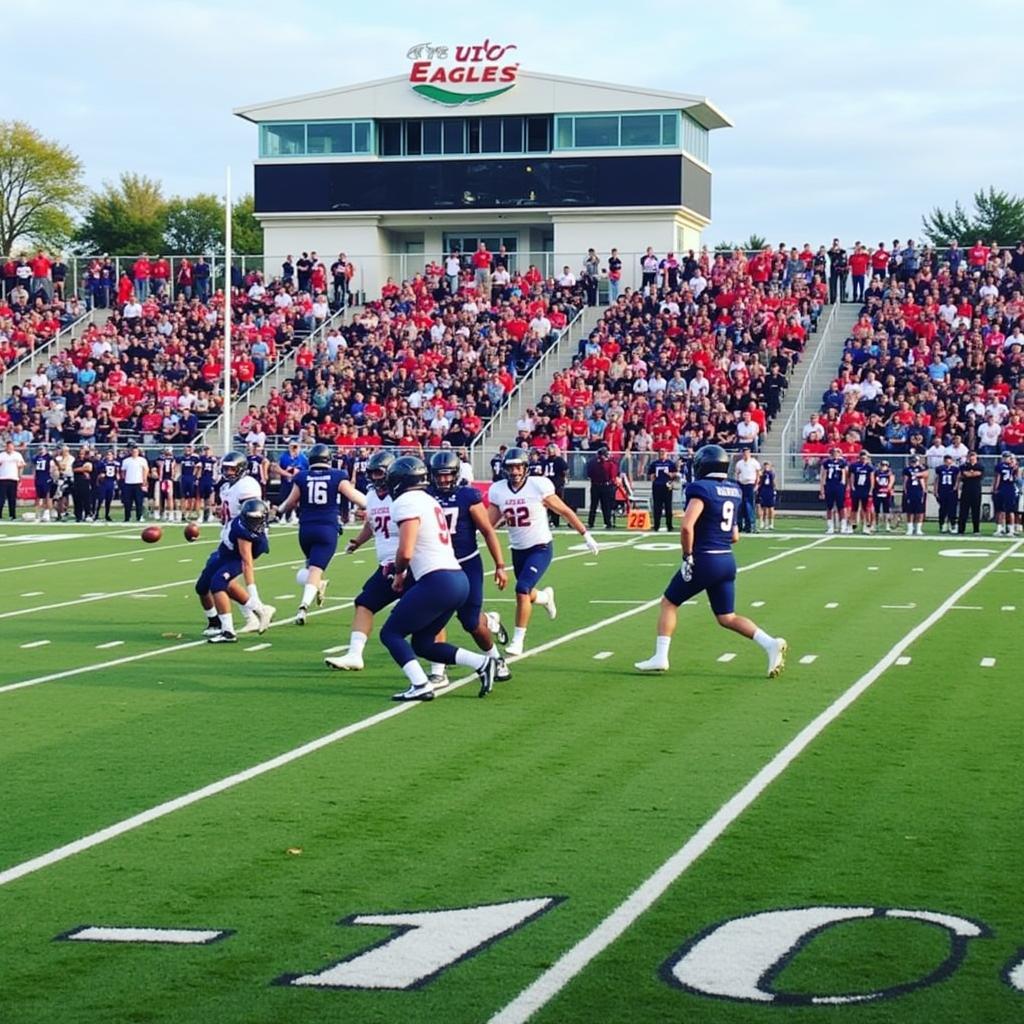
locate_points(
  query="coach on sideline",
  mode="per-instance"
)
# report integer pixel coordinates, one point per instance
(747, 472)
(12, 462)
(603, 473)
(134, 475)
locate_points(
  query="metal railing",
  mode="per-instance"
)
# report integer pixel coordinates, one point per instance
(14, 374)
(796, 414)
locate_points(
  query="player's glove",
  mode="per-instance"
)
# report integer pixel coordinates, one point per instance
(686, 570)
(592, 546)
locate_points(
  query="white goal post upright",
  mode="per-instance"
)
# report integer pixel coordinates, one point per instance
(226, 387)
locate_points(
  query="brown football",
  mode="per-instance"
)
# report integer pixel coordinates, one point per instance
(151, 534)
(191, 532)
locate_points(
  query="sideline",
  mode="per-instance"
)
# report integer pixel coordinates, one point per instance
(540, 992)
(119, 828)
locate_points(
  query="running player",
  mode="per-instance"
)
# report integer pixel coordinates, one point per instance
(915, 487)
(464, 510)
(207, 489)
(882, 495)
(42, 473)
(441, 587)
(377, 592)
(862, 479)
(242, 541)
(167, 474)
(767, 496)
(188, 486)
(522, 501)
(1005, 495)
(947, 488)
(315, 492)
(832, 489)
(708, 532)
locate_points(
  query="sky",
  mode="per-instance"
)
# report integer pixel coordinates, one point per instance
(850, 120)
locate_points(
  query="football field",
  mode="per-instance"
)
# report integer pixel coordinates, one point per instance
(237, 834)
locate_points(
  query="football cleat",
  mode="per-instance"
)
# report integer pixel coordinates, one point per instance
(502, 672)
(223, 637)
(651, 665)
(439, 680)
(321, 592)
(486, 675)
(549, 606)
(422, 692)
(252, 625)
(300, 615)
(346, 663)
(263, 615)
(212, 630)
(777, 657)
(497, 628)
(514, 649)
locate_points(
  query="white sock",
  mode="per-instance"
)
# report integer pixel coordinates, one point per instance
(492, 652)
(357, 643)
(542, 597)
(252, 604)
(308, 594)
(661, 646)
(227, 622)
(211, 615)
(519, 635)
(763, 640)
(470, 659)
(437, 669)
(414, 673)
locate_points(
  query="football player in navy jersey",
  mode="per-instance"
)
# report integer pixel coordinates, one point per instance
(915, 488)
(832, 489)
(708, 532)
(315, 493)
(535, 465)
(767, 497)
(466, 516)
(188, 482)
(342, 460)
(42, 471)
(882, 489)
(947, 489)
(360, 465)
(242, 541)
(258, 465)
(207, 470)
(862, 480)
(1005, 495)
(663, 474)
(166, 471)
(109, 467)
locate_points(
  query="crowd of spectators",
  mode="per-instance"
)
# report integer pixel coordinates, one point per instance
(700, 353)
(935, 360)
(428, 363)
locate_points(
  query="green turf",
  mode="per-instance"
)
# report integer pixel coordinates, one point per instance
(576, 780)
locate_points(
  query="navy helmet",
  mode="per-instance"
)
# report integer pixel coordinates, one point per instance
(445, 468)
(408, 473)
(515, 465)
(319, 455)
(233, 466)
(254, 514)
(377, 471)
(711, 460)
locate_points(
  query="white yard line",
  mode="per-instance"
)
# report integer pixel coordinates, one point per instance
(109, 644)
(34, 643)
(86, 558)
(541, 991)
(119, 828)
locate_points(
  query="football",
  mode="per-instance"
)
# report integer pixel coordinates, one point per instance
(192, 532)
(151, 534)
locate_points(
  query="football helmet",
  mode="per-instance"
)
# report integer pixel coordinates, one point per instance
(408, 473)
(319, 455)
(514, 465)
(233, 466)
(254, 514)
(444, 471)
(377, 471)
(711, 460)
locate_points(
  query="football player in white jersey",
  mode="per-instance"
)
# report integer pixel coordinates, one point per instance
(431, 582)
(522, 502)
(377, 592)
(237, 487)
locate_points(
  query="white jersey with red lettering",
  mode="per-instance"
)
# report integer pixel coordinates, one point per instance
(523, 510)
(233, 494)
(433, 550)
(385, 530)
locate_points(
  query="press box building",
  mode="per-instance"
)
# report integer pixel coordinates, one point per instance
(400, 170)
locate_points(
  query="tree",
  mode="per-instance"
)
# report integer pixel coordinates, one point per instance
(247, 235)
(755, 243)
(195, 225)
(998, 217)
(128, 218)
(40, 188)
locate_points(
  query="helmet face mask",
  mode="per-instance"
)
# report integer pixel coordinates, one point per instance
(408, 473)
(254, 514)
(233, 466)
(444, 471)
(515, 466)
(377, 472)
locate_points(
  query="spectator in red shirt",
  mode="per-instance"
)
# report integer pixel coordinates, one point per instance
(41, 281)
(141, 271)
(481, 267)
(977, 256)
(880, 261)
(859, 260)
(159, 275)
